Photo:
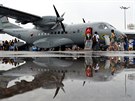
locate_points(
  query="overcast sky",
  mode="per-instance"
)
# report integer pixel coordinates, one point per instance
(92, 10)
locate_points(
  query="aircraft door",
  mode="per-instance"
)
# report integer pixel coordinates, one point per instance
(88, 38)
(88, 31)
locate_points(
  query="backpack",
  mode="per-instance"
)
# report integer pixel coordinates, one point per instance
(94, 38)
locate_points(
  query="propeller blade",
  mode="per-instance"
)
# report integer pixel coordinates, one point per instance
(55, 26)
(83, 20)
(63, 14)
(63, 27)
(63, 76)
(84, 83)
(63, 89)
(56, 92)
(57, 14)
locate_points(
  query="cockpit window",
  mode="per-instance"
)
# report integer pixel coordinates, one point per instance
(102, 26)
(112, 27)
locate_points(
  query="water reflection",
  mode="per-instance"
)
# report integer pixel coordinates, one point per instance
(51, 72)
(13, 61)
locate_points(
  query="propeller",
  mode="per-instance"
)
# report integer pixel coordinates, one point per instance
(59, 19)
(58, 88)
(56, 92)
(63, 14)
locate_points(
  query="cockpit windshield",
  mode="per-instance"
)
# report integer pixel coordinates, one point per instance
(112, 26)
(103, 26)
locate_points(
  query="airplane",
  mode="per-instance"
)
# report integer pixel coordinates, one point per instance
(50, 31)
(51, 72)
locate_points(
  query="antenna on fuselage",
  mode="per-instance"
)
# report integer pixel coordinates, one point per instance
(83, 20)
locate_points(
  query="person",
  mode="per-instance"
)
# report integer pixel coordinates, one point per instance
(6, 45)
(121, 43)
(96, 68)
(88, 71)
(133, 44)
(95, 39)
(113, 43)
(112, 36)
(1, 47)
(112, 64)
(88, 31)
(15, 45)
(88, 39)
(88, 66)
(126, 43)
(107, 42)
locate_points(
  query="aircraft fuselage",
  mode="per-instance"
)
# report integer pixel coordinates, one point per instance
(75, 33)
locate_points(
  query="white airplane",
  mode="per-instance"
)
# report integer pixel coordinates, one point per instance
(49, 31)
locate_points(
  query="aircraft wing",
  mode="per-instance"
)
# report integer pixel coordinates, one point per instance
(51, 42)
(20, 16)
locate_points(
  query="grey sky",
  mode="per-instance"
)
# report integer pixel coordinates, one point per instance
(92, 10)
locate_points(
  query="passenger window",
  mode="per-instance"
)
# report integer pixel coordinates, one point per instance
(42, 33)
(62, 32)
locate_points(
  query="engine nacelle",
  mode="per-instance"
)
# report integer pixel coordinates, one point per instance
(47, 21)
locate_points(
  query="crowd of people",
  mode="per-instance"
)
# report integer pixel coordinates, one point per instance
(11, 61)
(118, 43)
(112, 42)
(9, 45)
(113, 64)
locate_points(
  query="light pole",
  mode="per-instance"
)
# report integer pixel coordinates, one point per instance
(124, 8)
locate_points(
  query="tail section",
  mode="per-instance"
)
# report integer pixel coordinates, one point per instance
(4, 23)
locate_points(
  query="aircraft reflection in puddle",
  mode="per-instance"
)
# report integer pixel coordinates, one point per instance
(50, 73)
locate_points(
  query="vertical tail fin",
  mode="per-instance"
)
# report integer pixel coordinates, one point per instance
(4, 23)
(4, 19)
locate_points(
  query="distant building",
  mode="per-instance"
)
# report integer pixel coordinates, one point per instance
(131, 26)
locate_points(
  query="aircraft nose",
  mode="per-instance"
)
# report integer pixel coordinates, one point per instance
(119, 33)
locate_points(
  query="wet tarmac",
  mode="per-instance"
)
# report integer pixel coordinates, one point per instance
(67, 76)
